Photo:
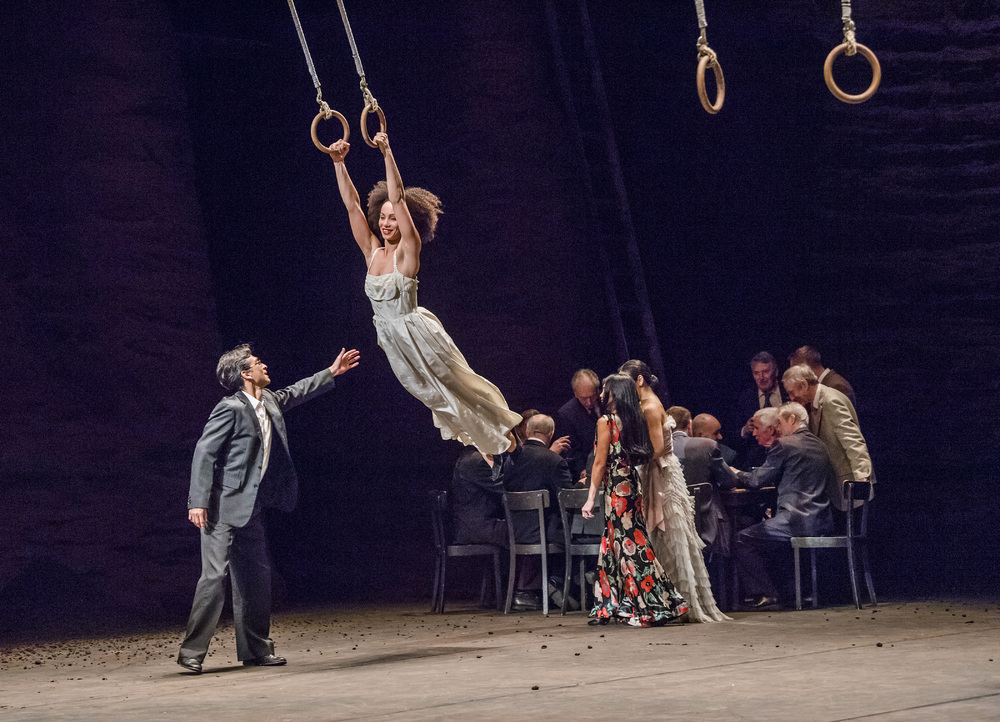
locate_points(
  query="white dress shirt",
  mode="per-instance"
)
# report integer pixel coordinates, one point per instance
(265, 430)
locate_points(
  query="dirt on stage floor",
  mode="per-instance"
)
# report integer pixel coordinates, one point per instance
(899, 661)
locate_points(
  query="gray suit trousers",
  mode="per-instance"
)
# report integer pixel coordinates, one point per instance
(242, 553)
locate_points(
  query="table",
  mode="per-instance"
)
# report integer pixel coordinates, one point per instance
(735, 500)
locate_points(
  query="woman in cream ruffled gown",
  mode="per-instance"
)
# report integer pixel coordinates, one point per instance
(464, 405)
(669, 506)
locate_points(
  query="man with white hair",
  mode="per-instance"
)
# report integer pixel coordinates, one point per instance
(800, 468)
(765, 431)
(833, 419)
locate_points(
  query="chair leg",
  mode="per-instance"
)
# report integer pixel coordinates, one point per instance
(545, 582)
(483, 586)
(798, 579)
(868, 574)
(436, 591)
(444, 567)
(566, 580)
(854, 577)
(583, 585)
(812, 555)
(496, 579)
(510, 581)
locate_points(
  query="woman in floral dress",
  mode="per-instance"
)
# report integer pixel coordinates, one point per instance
(631, 585)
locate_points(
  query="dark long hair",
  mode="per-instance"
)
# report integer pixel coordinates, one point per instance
(636, 368)
(634, 433)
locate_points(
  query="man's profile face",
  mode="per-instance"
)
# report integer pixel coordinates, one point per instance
(587, 394)
(257, 373)
(764, 434)
(764, 376)
(797, 392)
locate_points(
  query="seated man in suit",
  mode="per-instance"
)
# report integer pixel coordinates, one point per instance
(809, 356)
(577, 419)
(765, 392)
(477, 498)
(833, 419)
(535, 466)
(800, 468)
(702, 462)
(766, 432)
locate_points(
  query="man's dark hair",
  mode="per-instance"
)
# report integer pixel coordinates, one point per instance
(765, 358)
(231, 367)
(681, 416)
(808, 355)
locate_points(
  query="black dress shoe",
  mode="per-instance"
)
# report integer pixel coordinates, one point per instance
(268, 660)
(525, 601)
(191, 664)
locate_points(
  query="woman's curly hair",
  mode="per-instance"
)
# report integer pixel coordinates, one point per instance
(424, 207)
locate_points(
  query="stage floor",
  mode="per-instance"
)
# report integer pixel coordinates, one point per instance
(900, 661)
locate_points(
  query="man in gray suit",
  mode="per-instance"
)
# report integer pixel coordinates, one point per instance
(241, 465)
(702, 462)
(800, 468)
(833, 419)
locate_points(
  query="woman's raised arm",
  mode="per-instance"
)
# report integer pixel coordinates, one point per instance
(409, 238)
(363, 235)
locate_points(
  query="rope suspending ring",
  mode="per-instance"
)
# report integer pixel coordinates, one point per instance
(371, 105)
(325, 111)
(849, 47)
(707, 58)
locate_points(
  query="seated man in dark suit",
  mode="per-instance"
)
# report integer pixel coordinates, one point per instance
(477, 498)
(577, 419)
(765, 392)
(800, 468)
(533, 467)
(702, 462)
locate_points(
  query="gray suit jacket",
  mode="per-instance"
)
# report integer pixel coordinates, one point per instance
(835, 422)
(225, 471)
(799, 467)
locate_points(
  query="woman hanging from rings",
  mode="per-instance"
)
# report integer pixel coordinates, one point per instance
(426, 361)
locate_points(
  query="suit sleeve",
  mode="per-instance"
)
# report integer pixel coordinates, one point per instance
(564, 478)
(218, 430)
(849, 435)
(722, 476)
(301, 391)
(770, 473)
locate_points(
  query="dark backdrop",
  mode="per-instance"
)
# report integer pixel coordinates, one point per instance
(163, 202)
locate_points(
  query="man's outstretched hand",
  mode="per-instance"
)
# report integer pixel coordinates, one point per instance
(346, 360)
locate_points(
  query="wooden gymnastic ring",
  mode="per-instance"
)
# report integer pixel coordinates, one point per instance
(364, 125)
(720, 84)
(322, 116)
(840, 94)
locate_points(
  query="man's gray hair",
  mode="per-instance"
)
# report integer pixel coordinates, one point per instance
(540, 425)
(767, 416)
(231, 367)
(585, 375)
(796, 410)
(800, 374)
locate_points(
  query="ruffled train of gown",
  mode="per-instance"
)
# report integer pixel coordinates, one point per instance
(674, 538)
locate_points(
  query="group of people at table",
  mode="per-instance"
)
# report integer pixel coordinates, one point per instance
(800, 437)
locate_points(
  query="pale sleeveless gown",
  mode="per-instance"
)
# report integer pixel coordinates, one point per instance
(675, 541)
(427, 363)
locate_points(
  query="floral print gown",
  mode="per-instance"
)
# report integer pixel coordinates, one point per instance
(631, 585)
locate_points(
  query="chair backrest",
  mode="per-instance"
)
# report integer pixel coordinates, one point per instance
(570, 501)
(702, 493)
(858, 491)
(525, 501)
(439, 508)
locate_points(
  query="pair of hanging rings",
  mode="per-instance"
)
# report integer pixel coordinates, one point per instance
(323, 115)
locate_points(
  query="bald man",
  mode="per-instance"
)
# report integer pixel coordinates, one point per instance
(706, 426)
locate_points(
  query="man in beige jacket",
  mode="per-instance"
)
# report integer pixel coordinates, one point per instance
(833, 419)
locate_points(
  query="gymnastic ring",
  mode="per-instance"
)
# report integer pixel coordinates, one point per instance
(364, 125)
(840, 94)
(321, 115)
(720, 83)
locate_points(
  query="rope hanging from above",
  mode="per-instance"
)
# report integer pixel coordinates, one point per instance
(325, 111)
(708, 59)
(849, 47)
(371, 105)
